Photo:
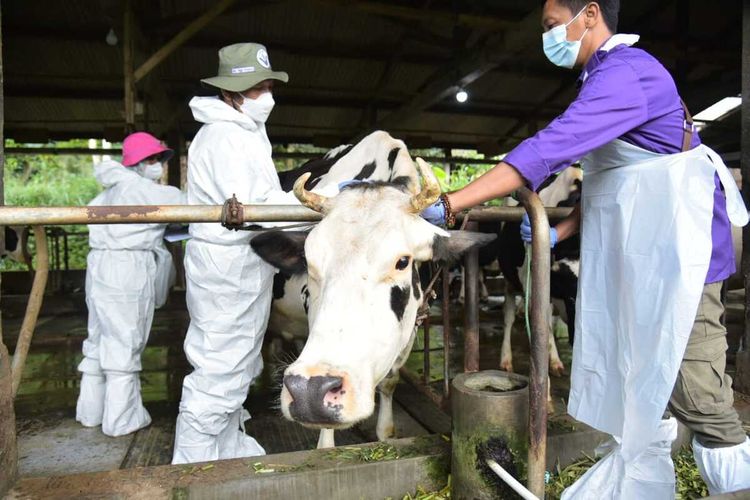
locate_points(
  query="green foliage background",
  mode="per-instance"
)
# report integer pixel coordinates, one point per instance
(51, 180)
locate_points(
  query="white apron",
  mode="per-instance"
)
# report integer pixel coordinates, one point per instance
(645, 251)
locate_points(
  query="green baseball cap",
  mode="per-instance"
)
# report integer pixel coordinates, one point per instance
(243, 65)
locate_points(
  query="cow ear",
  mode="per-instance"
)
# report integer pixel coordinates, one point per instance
(459, 242)
(284, 250)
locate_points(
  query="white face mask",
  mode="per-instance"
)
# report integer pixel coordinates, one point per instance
(558, 49)
(153, 171)
(258, 109)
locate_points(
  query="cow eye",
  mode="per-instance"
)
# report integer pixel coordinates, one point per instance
(403, 263)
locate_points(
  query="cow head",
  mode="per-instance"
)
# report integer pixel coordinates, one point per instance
(361, 261)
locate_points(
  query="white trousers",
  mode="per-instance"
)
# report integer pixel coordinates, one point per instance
(229, 293)
(120, 300)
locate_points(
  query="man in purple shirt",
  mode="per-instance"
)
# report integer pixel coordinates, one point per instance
(628, 108)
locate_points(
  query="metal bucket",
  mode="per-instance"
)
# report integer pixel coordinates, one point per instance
(490, 420)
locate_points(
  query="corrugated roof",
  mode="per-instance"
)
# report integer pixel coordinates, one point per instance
(351, 63)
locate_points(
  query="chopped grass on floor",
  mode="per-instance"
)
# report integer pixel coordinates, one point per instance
(562, 478)
(689, 481)
(378, 453)
(421, 494)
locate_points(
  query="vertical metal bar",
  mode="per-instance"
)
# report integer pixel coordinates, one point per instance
(447, 334)
(540, 303)
(471, 307)
(426, 349)
(32, 307)
(129, 79)
(66, 252)
(742, 375)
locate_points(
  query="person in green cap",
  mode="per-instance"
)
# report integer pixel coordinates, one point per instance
(229, 287)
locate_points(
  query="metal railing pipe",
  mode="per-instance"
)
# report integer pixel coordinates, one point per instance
(540, 303)
(505, 214)
(142, 214)
(125, 214)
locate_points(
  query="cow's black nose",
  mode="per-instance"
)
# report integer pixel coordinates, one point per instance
(309, 403)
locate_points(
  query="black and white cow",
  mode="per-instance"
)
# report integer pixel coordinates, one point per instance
(17, 245)
(358, 276)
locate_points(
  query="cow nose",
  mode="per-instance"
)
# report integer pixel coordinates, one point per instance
(309, 402)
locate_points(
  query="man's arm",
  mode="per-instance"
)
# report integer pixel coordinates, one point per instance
(498, 182)
(570, 225)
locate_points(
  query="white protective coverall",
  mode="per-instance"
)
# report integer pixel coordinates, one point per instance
(645, 251)
(129, 272)
(229, 287)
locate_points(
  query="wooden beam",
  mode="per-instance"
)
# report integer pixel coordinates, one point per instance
(466, 69)
(742, 378)
(181, 37)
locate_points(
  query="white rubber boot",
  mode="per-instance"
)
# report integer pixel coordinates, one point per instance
(90, 405)
(192, 446)
(724, 469)
(123, 408)
(234, 441)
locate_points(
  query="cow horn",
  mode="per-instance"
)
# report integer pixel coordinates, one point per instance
(309, 199)
(430, 191)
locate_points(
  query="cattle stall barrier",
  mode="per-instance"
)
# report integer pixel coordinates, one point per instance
(234, 213)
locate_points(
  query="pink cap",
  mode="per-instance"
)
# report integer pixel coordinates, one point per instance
(140, 145)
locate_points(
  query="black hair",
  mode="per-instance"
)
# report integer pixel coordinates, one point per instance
(610, 10)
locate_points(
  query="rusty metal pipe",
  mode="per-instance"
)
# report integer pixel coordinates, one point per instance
(471, 307)
(32, 308)
(149, 214)
(504, 214)
(144, 214)
(540, 303)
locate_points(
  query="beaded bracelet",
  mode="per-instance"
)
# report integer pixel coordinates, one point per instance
(450, 216)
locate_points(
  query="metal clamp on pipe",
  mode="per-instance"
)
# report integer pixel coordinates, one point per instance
(232, 214)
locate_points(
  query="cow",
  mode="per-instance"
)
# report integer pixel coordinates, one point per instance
(17, 245)
(358, 270)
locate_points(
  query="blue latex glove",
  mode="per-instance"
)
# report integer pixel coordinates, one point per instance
(526, 232)
(435, 213)
(351, 182)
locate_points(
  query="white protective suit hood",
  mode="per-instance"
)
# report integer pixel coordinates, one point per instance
(213, 109)
(108, 173)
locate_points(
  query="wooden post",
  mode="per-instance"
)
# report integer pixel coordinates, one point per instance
(742, 378)
(8, 450)
(127, 57)
(176, 141)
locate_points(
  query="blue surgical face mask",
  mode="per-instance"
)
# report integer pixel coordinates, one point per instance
(558, 49)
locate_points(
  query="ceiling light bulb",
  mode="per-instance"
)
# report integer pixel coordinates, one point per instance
(111, 37)
(462, 95)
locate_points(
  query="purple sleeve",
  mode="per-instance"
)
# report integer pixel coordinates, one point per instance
(610, 103)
